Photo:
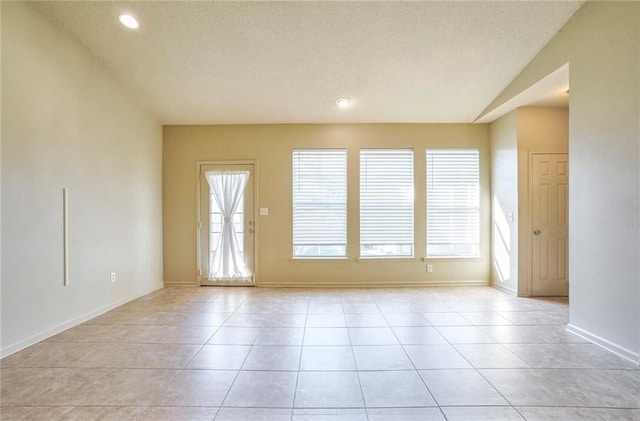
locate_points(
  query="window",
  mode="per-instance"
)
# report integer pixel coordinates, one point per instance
(319, 203)
(386, 202)
(453, 203)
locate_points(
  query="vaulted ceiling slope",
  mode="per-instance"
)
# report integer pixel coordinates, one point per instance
(287, 62)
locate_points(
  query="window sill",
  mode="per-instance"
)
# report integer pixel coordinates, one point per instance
(453, 259)
(386, 259)
(321, 259)
(398, 259)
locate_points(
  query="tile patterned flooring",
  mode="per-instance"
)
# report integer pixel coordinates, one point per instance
(321, 354)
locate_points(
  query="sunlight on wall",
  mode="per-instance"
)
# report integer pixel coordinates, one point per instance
(501, 242)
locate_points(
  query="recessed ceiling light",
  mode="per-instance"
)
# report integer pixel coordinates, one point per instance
(129, 21)
(343, 102)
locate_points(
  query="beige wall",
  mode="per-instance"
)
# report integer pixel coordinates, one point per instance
(539, 130)
(600, 42)
(66, 123)
(504, 202)
(513, 138)
(271, 146)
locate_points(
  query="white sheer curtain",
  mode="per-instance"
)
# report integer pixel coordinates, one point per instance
(227, 263)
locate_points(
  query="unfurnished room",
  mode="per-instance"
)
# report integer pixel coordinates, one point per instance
(320, 211)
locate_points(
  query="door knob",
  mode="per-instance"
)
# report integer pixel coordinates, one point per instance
(537, 232)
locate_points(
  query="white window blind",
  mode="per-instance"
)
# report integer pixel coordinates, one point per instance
(453, 203)
(319, 203)
(386, 202)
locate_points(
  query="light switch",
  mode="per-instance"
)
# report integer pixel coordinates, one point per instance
(510, 216)
(264, 211)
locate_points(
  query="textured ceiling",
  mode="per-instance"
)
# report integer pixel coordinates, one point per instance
(287, 62)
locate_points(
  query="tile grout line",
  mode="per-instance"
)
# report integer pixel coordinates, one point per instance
(355, 362)
(238, 371)
(411, 361)
(304, 333)
(475, 368)
(176, 372)
(497, 342)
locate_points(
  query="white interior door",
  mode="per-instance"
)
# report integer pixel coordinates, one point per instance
(549, 239)
(210, 225)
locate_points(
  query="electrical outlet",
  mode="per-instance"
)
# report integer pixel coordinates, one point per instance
(429, 268)
(113, 277)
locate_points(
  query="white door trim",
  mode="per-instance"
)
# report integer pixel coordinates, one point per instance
(199, 165)
(530, 214)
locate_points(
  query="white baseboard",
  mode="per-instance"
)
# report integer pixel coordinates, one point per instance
(181, 284)
(18, 346)
(504, 288)
(343, 284)
(621, 351)
(352, 284)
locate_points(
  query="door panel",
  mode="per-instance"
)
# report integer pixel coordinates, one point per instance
(210, 223)
(549, 239)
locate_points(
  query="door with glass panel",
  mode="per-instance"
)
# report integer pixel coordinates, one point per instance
(226, 225)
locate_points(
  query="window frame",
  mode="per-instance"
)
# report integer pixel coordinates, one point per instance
(476, 209)
(412, 244)
(295, 244)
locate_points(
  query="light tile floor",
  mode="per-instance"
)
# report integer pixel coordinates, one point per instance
(322, 354)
